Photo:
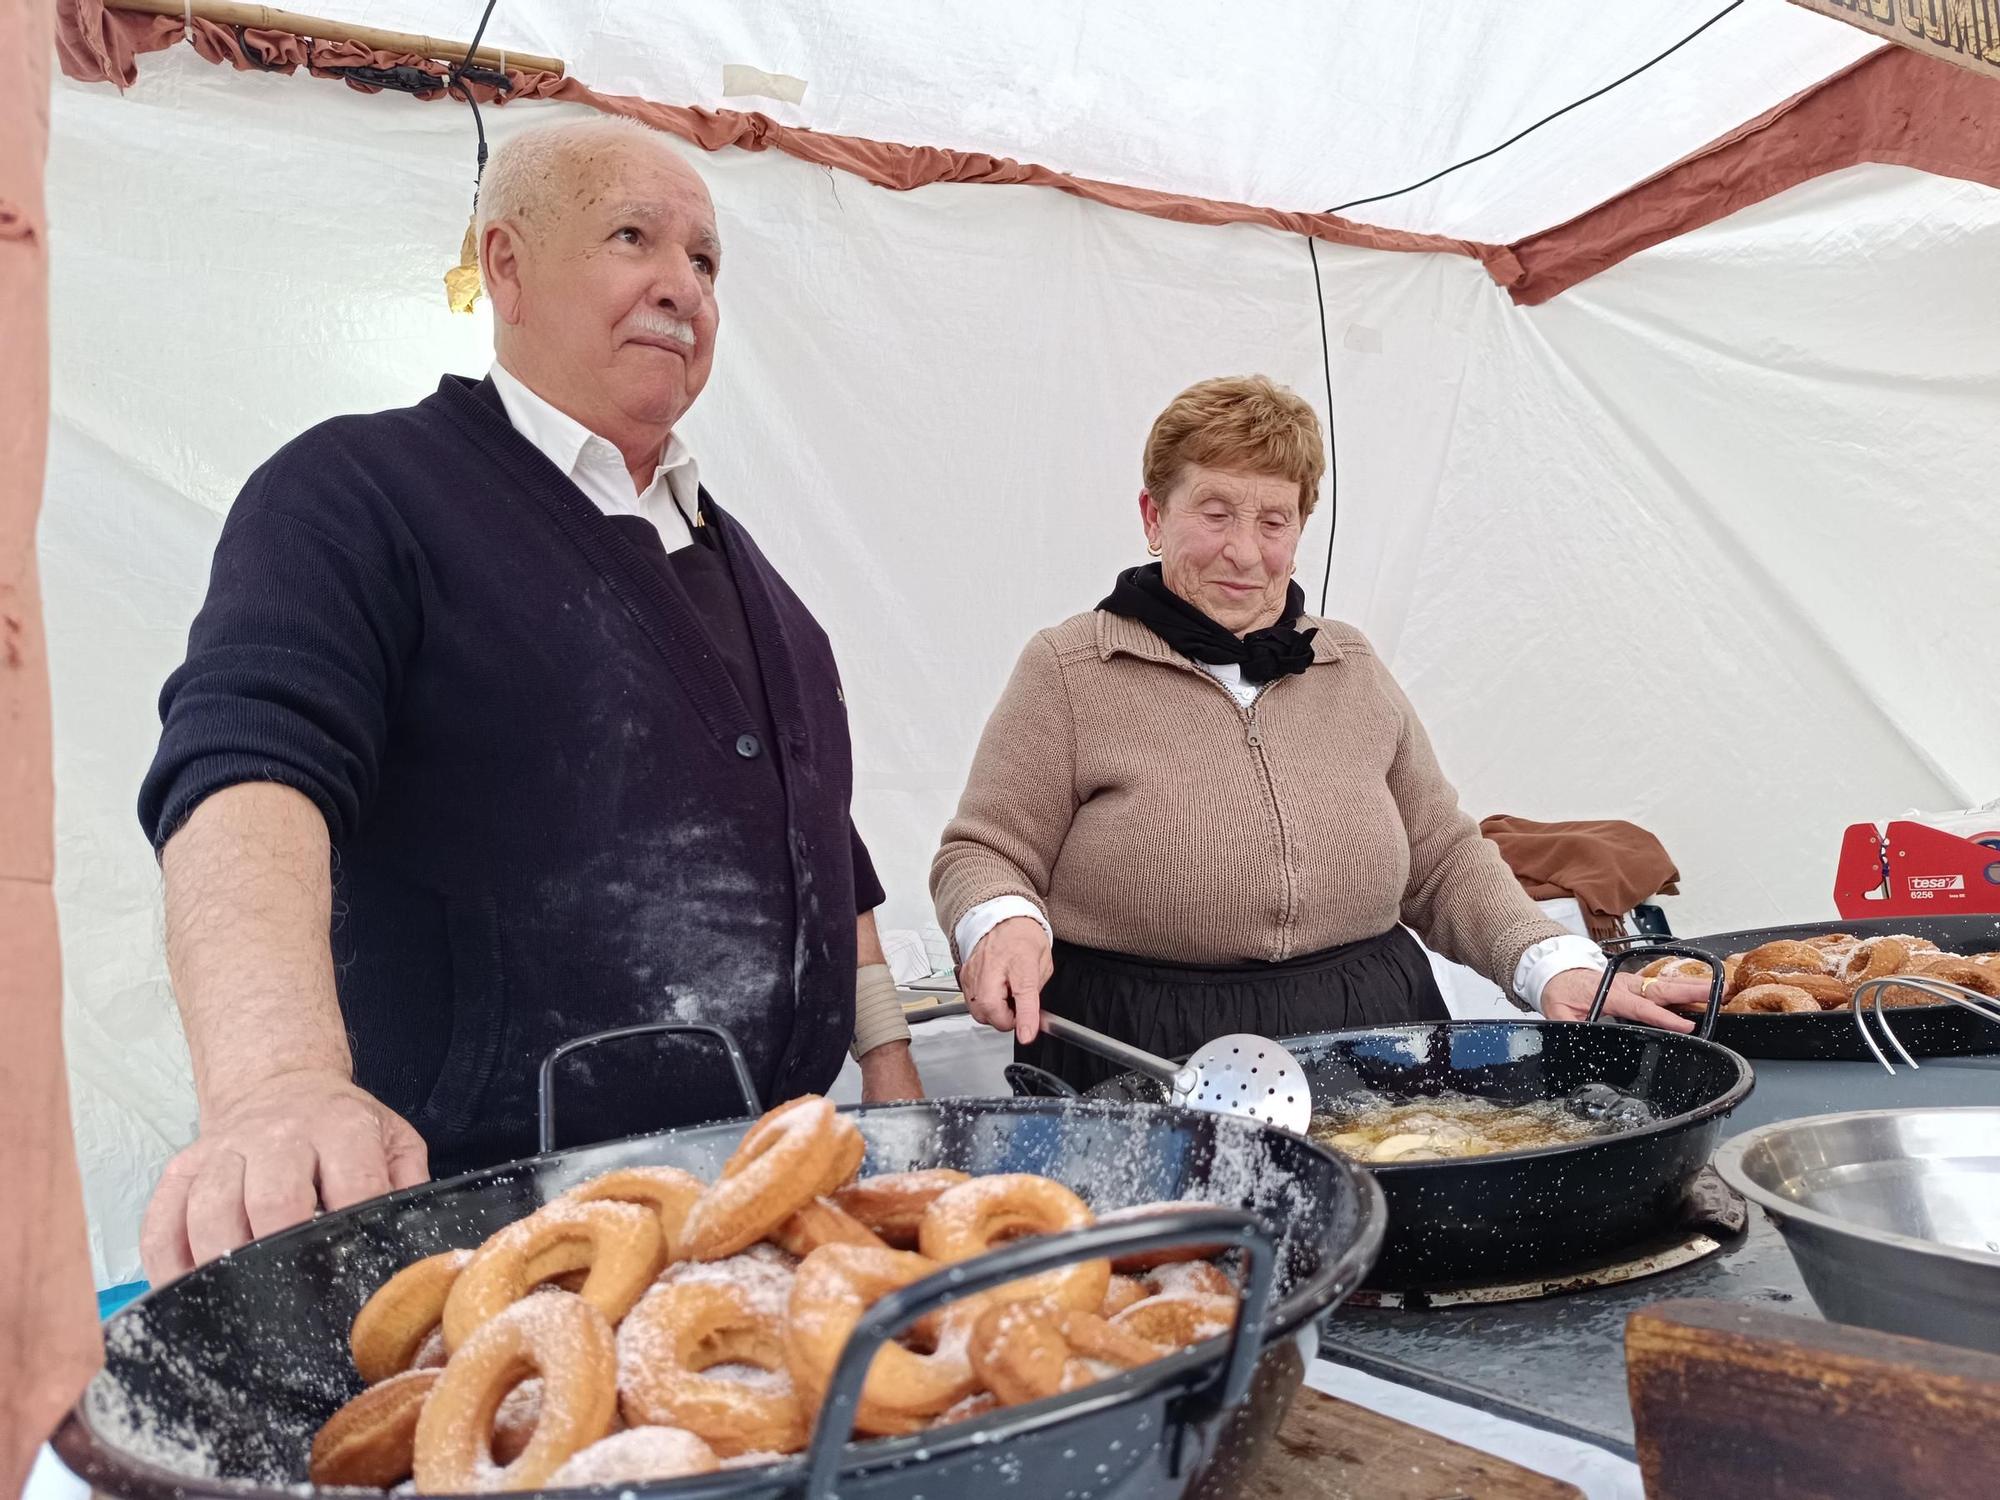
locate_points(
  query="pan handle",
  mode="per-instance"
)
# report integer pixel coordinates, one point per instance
(1030, 1082)
(545, 1112)
(1231, 1227)
(1618, 961)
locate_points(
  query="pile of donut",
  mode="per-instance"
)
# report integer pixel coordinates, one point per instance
(1799, 975)
(647, 1325)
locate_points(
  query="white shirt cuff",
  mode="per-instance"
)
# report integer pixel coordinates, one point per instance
(988, 915)
(1550, 957)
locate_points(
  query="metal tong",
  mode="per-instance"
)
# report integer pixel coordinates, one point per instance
(1939, 989)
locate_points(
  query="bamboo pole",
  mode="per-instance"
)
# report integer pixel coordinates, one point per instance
(270, 18)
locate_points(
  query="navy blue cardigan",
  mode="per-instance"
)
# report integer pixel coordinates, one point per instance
(552, 811)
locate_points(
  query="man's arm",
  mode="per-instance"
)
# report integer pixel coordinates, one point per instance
(887, 1070)
(283, 1128)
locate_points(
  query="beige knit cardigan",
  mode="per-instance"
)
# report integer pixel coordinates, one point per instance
(1125, 792)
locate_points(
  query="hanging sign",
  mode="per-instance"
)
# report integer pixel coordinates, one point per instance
(1966, 32)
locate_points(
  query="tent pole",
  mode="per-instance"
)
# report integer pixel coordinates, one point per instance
(270, 18)
(49, 1340)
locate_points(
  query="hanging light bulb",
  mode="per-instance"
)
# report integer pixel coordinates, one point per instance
(462, 283)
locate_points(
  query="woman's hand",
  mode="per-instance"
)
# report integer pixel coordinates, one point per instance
(1002, 980)
(1567, 997)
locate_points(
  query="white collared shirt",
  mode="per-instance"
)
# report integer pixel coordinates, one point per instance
(672, 502)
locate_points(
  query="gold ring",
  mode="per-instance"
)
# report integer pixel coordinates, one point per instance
(1646, 984)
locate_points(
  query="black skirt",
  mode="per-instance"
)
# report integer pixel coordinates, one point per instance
(1171, 1009)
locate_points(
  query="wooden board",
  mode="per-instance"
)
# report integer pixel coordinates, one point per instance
(1329, 1449)
(1730, 1399)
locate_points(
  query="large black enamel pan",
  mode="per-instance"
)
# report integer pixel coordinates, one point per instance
(1518, 1213)
(1831, 1035)
(213, 1385)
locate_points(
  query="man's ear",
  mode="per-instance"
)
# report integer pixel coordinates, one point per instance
(500, 269)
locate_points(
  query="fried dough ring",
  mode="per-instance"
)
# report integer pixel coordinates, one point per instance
(1123, 1292)
(515, 1422)
(822, 1222)
(1027, 1351)
(1875, 960)
(798, 1152)
(636, 1456)
(1772, 999)
(975, 1216)
(1955, 970)
(835, 1285)
(892, 1204)
(1827, 992)
(1195, 1279)
(672, 1339)
(1677, 968)
(1786, 956)
(1176, 1322)
(557, 1336)
(668, 1191)
(1146, 1260)
(619, 1244)
(390, 1331)
(370, 1443)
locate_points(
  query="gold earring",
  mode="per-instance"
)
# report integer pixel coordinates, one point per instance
(1154, 548)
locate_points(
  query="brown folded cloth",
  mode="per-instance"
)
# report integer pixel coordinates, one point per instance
(1608, 866)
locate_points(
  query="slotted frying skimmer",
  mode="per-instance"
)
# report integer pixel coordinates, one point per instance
(1238, 1074)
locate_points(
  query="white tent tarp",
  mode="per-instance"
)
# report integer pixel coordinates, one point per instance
(1706, 542)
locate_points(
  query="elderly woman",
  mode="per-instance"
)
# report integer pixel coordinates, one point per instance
(1198, 810)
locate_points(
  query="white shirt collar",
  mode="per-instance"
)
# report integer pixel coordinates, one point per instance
(593, 462)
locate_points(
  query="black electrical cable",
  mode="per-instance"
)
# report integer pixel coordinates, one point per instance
(1326, 353)
(459, 86)
(1378, 197)
(1332, 450)
(480, 34)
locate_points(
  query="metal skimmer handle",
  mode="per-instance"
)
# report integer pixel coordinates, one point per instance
(1179, 1079)
(1939, 989)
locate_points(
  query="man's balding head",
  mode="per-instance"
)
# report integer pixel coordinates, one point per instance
(598, 245)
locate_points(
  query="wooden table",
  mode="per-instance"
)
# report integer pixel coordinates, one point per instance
(1329, 1449)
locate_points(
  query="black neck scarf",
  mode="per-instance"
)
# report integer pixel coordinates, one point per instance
(1276, 651)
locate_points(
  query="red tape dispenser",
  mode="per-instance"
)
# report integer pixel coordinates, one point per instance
(1914, 871)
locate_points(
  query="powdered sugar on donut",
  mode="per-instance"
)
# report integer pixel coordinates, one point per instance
(636, 1455)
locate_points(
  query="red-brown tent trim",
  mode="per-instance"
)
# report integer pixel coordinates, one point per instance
(1894, 107)
(98, 44)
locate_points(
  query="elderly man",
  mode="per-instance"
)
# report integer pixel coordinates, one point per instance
(495, 730)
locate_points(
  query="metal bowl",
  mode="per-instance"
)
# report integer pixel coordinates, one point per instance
(1893, 1215)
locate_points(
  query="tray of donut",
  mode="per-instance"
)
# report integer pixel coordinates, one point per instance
(944, 1297)
(1788, 989)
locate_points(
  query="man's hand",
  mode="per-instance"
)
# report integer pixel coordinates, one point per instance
(1568, 997)
(1002, 979)
(297, 1142)
(889, 1073)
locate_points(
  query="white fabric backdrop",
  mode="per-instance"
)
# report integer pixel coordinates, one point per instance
(1297, 104)
(1700, 543)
